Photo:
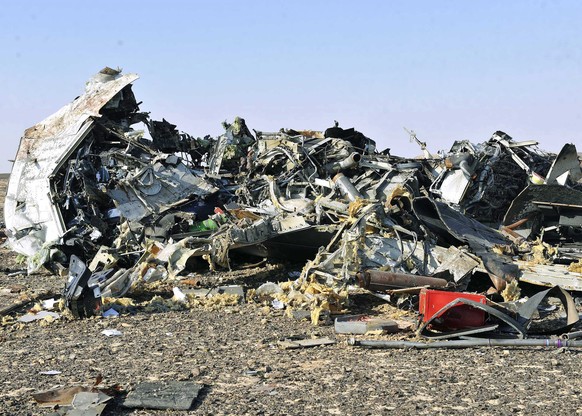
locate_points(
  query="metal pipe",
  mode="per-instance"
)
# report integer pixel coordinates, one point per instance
(346, 188)
(378, 280)
(517, 224)
(347, 163)
(572, 335)
(336, 206)
(511, 232)
(557, 343)
(556, 204)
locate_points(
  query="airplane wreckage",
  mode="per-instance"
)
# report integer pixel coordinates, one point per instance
(94, 197)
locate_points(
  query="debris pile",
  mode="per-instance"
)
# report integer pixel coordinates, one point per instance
(105, 195)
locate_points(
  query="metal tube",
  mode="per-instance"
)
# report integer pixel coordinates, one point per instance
(347, 163)
(346, 188)
(380, 280)
(517, 224)
(572, 335)
(511, 232)
(334, 205)
(557, 343)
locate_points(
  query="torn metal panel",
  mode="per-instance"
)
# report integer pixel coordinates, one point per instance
(397, 254)
(569, 252)
(60, 397)
(157, 188)
(32, 219)
(454, 181)
(451, 225)
(566, 167)
(550, 275)
(88, 404)
(82, 293)
(452, 186)
(458, 263)
(530, 308)
(107, 184)
(538, 208)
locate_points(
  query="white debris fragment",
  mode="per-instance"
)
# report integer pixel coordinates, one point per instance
(179, 296)
(95, 235)
(48, 304)
(50, 373)
(111, 333)
(29, 317)
(268, 289)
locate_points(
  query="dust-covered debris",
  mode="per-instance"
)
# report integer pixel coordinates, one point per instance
(142, 218)
(176, 395)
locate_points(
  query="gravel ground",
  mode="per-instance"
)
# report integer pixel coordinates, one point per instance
(233, 352)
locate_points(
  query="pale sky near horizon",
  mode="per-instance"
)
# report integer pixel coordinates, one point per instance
(449, 70)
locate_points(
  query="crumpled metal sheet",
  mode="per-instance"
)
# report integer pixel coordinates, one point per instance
(157, 188)
(32, 219)
(566, 167)
(480, 238)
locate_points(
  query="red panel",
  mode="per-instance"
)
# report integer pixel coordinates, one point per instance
(458, 317)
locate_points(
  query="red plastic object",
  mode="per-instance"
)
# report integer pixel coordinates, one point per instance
(457, 317)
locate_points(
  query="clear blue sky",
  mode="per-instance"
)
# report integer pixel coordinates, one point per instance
(447, 69)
